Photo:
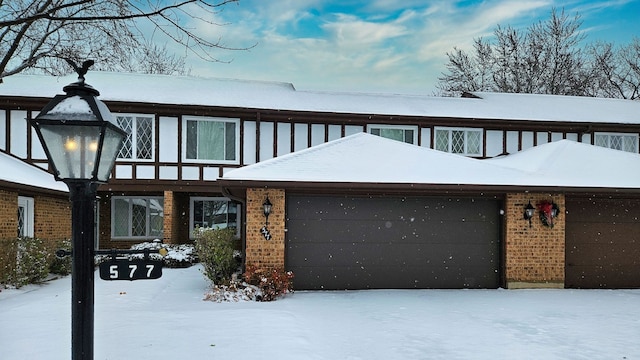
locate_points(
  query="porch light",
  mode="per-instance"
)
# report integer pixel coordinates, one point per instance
(529, 211)
(266, 208)
(81, 141)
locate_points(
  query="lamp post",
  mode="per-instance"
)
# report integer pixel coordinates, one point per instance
(81, 141)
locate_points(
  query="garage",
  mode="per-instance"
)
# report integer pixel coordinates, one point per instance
(351, 242)
(602, 243)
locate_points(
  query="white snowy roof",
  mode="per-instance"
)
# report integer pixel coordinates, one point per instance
(366, 158)
(186, 90)
(19, 172)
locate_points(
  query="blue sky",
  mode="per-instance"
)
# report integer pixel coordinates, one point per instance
(384, 46)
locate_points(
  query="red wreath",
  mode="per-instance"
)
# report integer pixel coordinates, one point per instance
(546, 210)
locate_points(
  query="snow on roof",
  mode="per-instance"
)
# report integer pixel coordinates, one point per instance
(185, 90)
(570, 163)
(366, 158)
(19, 172)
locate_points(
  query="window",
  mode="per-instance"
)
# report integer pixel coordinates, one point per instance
(624, 142)
(404, 134)
(215, 139)
(25, 216)
(213, 212)
(137, 217)
(138, 145)
(462, 141)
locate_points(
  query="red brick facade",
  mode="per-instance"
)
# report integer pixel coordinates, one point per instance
(534, 256)
(259, 251)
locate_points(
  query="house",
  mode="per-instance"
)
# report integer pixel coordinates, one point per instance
(209, 152)
(32, 204)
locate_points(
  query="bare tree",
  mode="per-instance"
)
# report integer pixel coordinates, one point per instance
(617, 70)
(546, 58)
(38, 35)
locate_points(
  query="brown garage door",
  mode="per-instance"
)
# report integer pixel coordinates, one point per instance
(392, 242)
(602, 243)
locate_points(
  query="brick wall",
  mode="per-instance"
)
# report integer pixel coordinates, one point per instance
(259, 251)
(8, 214)
(534, 256)
(176, 218)
(52, 218)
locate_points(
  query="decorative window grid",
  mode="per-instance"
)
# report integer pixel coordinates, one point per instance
(617, 141)
(463, 141)
(137, 217)
(138, 145)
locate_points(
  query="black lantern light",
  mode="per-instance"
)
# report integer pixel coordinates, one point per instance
(266, 208)
(81, 141)
(529, 211)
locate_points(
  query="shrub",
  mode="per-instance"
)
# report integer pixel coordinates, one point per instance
(31, 262)
(61, 266)
(272, 283)
(216, 252)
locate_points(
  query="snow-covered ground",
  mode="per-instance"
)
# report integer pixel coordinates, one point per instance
(167, 319)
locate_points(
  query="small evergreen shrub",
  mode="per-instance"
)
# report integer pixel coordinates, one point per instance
(31, 264)
(61, 266)
(216, 251)
(271, 283)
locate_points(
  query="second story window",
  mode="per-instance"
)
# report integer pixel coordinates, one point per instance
(617, 141)
(138, 145)
(400, 133)
(463, 141)
(216, 139)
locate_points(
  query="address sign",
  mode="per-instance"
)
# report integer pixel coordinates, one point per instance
(136, 269)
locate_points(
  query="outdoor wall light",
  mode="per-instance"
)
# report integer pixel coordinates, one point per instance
(529, 211)
(266, 210)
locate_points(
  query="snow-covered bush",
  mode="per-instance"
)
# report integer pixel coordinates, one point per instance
(217, 254)
(61, 265)
(271, 283)
(31, 262)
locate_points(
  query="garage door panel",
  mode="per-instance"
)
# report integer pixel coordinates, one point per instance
(345, 230)
(414, 254)
(599, 254)
(351, 242)
(611, 276)
(391, 277)
(602, 243)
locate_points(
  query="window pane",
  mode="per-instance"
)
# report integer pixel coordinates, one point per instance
(442, 140)
(615, 142)
(21, 214)
(630, 144)
(457, 141)
(601, 140)
(408, 136)
(144, 137)
(230, 141)
(192, 140)
(156, 217)
(210, 140)
(126, 124)
(139, 218)
(393, 134)
(121, 217)
(473, 142)
(375, 132)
